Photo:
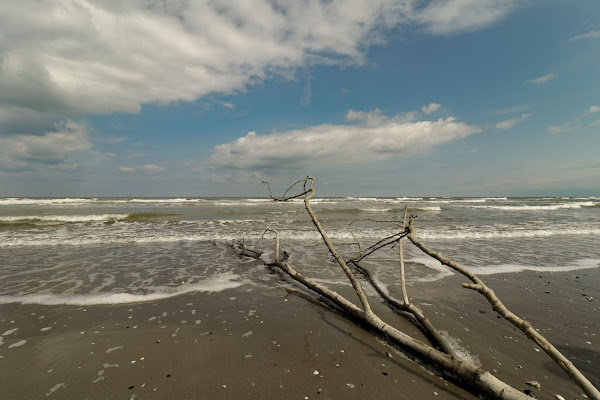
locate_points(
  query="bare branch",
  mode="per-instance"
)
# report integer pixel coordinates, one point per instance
(286, 198)
(355, 283)
(481, 381)
(390, 240)
(402, 278)
(479, 286)
(470, 376)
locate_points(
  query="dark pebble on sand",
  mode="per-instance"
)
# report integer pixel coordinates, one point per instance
(131, 387)
(384, 373)
(528, 392)
(168, 375)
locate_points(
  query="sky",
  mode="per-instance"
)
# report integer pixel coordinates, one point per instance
(378, 98)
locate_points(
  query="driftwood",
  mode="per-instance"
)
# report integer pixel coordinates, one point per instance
(439, 355)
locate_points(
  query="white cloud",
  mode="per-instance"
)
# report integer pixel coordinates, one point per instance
(66, 167)
(443, 17)
(77, 57)
(588, 35)
(509, 123)
(431, 108)
(542, 79)
(110, 155)
(578, 123)
(227, 105)
(567, 127)
(153, 168)
(52, 148)
(126, 169)
(376, 138)
(374, 117)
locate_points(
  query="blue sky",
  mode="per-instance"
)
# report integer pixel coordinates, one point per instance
(389, 98)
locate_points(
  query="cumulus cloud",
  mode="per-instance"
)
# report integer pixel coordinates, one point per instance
(51, 148)
(509, 123)
(588, 35)
(594, 109)
(376, 137)
(67, 58)
(126, 169)
(542, 79)
(430, 108)
(153, 168)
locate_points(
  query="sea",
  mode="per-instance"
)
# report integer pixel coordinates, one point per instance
(86, 251)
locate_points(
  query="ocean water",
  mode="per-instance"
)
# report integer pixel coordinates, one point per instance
(121, 250)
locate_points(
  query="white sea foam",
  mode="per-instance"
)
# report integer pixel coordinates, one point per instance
(506, 234)
(420, 208)
(215, 283)
(584, 263)
(440, 271)
(362, 198)
(63, 218)
(146, 237)
(437, 271)
(449, 201)
(426, 208)
(34, 201)
(541, 207)
(150, 200)
(459, 349)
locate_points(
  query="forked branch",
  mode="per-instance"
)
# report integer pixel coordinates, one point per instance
(470, 376)
(479, 286)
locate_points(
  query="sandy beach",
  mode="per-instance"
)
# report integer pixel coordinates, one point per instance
(252, 342)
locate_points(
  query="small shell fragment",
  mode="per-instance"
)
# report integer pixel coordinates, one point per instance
(535, 384)
(559, 397)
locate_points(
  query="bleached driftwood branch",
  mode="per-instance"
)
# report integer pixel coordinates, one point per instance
(468, 375)
(525, 326)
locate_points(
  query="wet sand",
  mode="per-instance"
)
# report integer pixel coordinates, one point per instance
(257, 342)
